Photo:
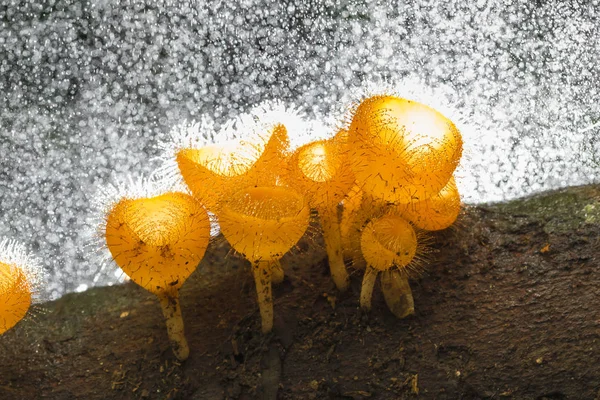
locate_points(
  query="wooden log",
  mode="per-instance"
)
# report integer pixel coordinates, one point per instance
(508, 307)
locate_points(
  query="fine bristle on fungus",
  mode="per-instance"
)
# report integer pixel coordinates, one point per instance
(402, 150)
(263, 223)
(389, 245)
(18, 283)
(320, 171)
(158, 242)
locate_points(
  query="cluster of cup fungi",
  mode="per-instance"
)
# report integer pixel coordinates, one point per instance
(389, 171)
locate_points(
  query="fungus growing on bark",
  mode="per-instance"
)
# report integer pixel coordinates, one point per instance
(158, 242)
(389, 245)
(263, 223)
(19, 280)
(393, 165)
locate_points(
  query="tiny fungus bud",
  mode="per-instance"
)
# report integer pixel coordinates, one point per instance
(158, 242)
(19, 275)
(263, 223)
(389, 245)
(402, 150)
(320, 170)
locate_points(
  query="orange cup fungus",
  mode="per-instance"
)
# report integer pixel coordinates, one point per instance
(263, 223)
(389, 245)
(403, 154)
(358, 208)
(402, 150)
(437, 212)
(15, 296)
(213, 172)
(18, 281)
(158, 242)
(320, 171)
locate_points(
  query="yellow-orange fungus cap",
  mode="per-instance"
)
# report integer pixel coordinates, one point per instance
(263, 223)
(214, 171)
(208, 172)
(358, 209)
(318, 163)
(275, 151)
(402, 150)
(15, 296)
(437, 212)
(320, 170)
(388, 241)
(158, 241)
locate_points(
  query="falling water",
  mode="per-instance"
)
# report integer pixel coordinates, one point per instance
(88, 88)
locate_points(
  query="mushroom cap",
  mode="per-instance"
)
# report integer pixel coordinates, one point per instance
(388, 241)
(437, 212)
(263, 223)
(158, 241)
(15, 295)
(213, 172)
(320, 169)
(402, 150)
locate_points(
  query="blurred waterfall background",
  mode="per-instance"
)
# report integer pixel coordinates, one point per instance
(88, 88)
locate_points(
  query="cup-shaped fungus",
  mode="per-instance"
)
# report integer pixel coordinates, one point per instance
(213, 171)
(389, 245)
(263, 223)
(437, 212)
(158, 242)
(15, 296)
(402, 150)
(358, 208)
(18, 280)
(320, 171)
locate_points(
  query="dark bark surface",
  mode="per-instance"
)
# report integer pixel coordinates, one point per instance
(508, 307)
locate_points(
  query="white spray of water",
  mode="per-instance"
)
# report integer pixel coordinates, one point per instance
(88, 90)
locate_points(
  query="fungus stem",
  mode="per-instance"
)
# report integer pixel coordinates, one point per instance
(397, 293)
(172, 312)
(366, 291)
(333, 245)
(262, 271)
(277, 273)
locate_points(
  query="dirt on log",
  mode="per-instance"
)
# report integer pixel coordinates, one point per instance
(508, 307)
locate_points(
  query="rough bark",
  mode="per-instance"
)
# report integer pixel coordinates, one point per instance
(508, 307)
